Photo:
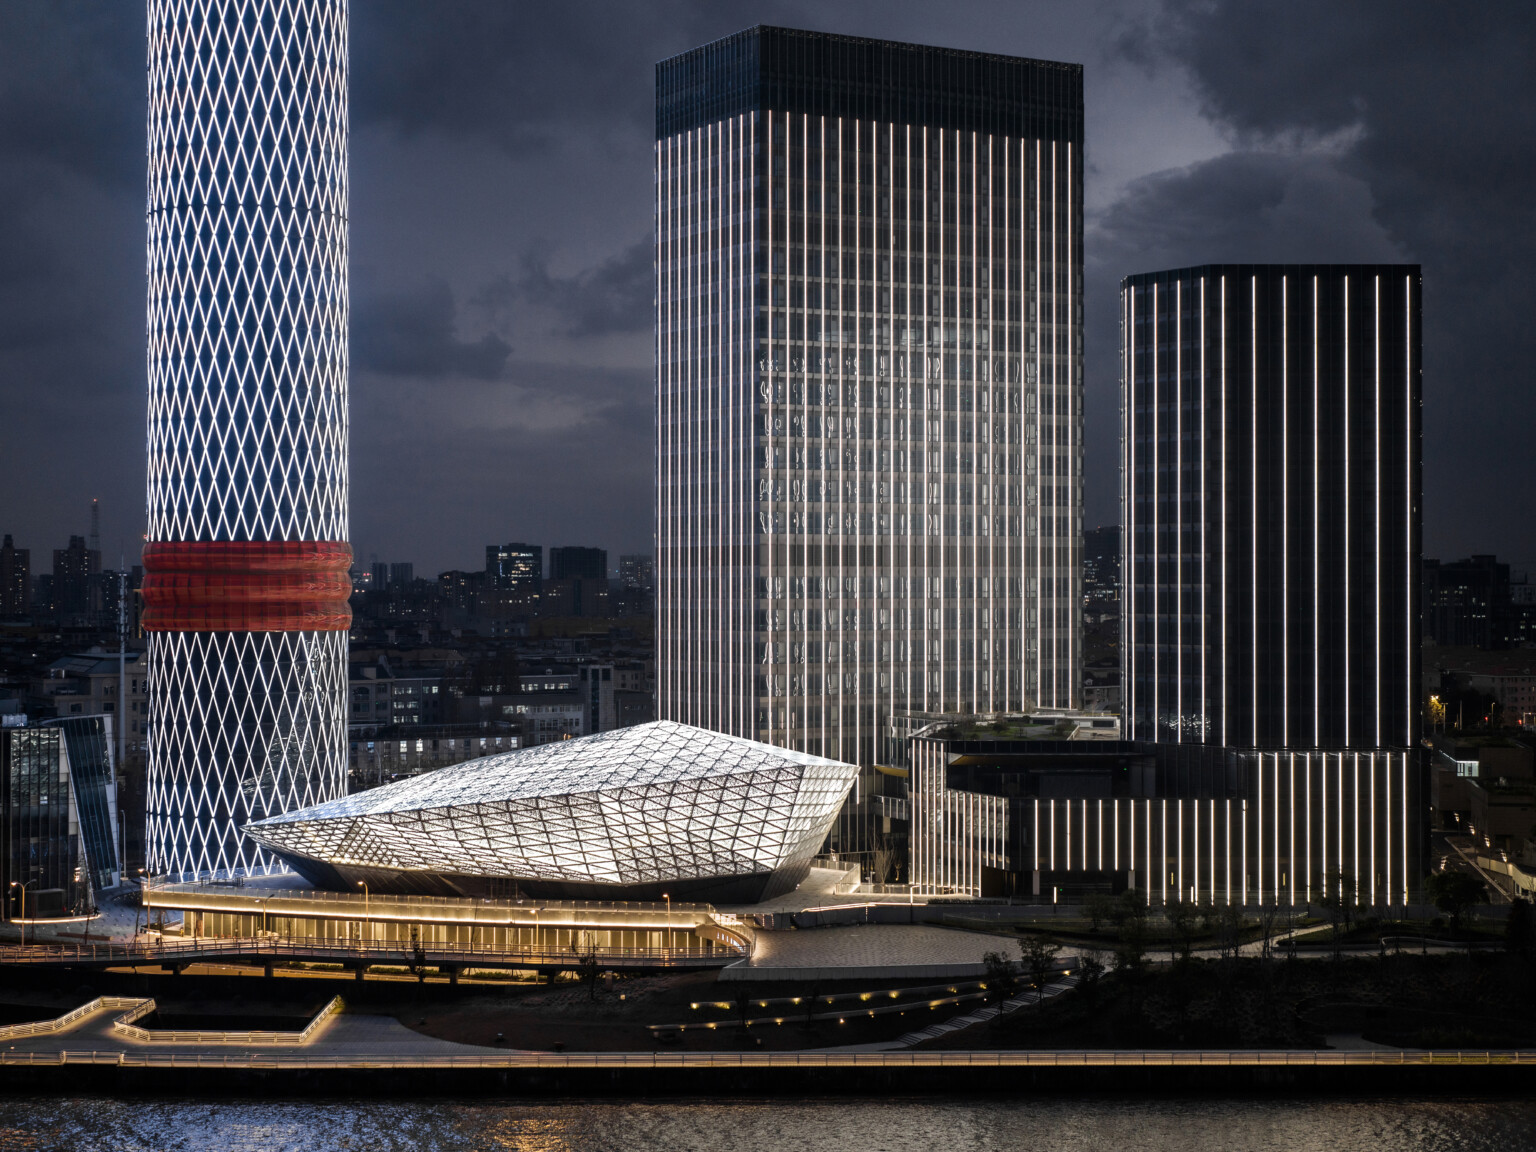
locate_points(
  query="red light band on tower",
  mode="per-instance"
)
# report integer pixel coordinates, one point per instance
(247, 586)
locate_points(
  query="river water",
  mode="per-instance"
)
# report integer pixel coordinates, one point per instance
(84, 1124)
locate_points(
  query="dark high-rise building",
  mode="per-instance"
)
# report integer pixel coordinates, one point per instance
(1474, 603)
(1101, 567)
(58, 817)
(517, 568)
(1271, 500)
(75, 570)
(578, 564)
(869, 386)
(1272, 503)
(15, 579)
(636, 572)
(401, 575)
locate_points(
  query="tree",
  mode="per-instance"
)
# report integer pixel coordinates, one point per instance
(1099, 908)
(1002, 980)
(1039, 961)
(1225, 922)
(1454, 893)
(741, 998)
(1090, 971)
(1338, 900)
(1518, 930)
(587, 969)
(418, 964)
(1181, 916)
(1129, 915)
(1267, 917)
(1129, 905)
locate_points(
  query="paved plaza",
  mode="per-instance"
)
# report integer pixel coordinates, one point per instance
(878, 951)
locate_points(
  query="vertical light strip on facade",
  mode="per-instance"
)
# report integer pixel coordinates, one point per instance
(1376, 702)
(1156, 487)
(1177, 400)
(1285, 515)
(1253, 511)
(1317, 527)
(1410, 545)
(1203, 455)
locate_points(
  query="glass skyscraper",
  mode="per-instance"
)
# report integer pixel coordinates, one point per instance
(869, 386)
(1272, 503)
(245, 568)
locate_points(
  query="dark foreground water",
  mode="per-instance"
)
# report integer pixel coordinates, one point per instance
(86, 1124)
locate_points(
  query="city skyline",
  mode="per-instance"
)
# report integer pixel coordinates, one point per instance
(488, 359)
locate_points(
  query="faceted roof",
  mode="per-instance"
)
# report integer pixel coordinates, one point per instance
(652, 802)
(655, 753)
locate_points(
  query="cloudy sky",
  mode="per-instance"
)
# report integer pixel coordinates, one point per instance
(501, 231)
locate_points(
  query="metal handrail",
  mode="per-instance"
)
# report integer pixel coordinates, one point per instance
(314, 947)
(260, 893)
(824, 1059)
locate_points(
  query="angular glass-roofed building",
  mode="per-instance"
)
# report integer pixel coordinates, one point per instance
(635, 814)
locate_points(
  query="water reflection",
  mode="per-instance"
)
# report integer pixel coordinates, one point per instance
(886, 1125)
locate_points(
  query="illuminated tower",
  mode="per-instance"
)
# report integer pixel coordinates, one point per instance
(1272, 505)
(869, 386)
(246, 586)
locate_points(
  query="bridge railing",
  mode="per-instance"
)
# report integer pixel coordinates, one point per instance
(428, 953)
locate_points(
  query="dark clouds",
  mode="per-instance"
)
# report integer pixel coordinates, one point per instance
(414, 332)
(1413, 124)
(502, 190)
(616, 296)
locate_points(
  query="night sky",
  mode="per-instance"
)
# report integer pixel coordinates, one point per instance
(501, 237)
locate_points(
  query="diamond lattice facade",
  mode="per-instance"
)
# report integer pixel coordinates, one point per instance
(638, 813)
(869, 386)
(246, 566)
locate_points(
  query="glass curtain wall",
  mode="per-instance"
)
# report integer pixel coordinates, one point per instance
(869, 388)
(1272, 505)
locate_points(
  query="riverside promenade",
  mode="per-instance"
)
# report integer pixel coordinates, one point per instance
(347, 1042)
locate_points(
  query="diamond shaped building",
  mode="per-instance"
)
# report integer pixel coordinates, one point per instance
(633, 814)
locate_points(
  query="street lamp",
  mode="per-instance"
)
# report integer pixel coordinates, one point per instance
(665, 896)
(23, 917)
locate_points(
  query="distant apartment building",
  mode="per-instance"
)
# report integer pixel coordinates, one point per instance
(637, 585)
(76, 582)
(1508, 678)
(635, 571)
(379, 694)
(576, 596)
(1101, 570)
(15, 579)
(578, 564)
(515, 567)
(380, 756)
(1478, 603)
